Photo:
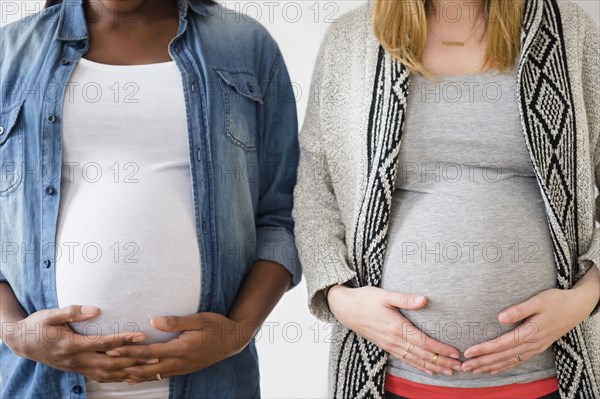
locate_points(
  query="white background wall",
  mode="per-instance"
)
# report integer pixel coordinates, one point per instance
(292, 345)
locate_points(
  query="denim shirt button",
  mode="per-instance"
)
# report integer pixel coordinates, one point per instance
(49, 190)
(1, 130)
(251, 87)
(81, 45)
(77, 389)
(51, 118)
(64, 61)
(46, 263)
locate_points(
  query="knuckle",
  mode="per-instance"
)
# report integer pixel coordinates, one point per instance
(444, 362)
(71, 312)
(61, 349)
(70, 363)
(105, 345)
(93, 377)
(105, 375)
(113, 365)
(403, 300)
(436, 368)
(134, 373)
(173, 322)
(145, 353)
(45, 316)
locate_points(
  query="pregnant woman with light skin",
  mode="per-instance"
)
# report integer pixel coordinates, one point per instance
(153, 273)
(446, 205)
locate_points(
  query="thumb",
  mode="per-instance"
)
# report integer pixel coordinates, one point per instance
(517, 312)
(174, 323)
(71, 313)
(406, 301)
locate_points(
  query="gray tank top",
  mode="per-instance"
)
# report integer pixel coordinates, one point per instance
(468, 227)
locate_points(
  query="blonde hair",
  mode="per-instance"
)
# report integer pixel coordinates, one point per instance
(401, 28)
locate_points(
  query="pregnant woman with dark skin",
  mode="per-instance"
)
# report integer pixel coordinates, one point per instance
(213, 302)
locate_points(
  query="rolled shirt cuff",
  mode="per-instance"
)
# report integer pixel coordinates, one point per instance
(276, 244)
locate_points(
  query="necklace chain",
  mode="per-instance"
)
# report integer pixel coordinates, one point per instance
(455, 43)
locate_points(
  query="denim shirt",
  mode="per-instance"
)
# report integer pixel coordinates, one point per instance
(242, 129)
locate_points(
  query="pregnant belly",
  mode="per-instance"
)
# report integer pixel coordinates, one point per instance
(129, 298)
(130, 260)
(469, 265)
(463, 305)
(465, 298)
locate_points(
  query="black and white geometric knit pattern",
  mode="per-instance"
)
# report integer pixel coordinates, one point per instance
(364, 363)
(549, 126)
(548, 117)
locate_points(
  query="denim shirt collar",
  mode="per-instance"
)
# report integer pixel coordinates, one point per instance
(72, 25)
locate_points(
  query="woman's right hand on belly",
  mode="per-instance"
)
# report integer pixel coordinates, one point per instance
(46, 337)
(373, 313)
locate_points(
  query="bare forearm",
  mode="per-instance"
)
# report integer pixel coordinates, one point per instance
(10, 309)
(262, 289)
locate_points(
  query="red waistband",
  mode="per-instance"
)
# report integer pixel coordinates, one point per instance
(414, 390)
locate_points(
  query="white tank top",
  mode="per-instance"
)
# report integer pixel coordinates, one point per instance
(126, 239)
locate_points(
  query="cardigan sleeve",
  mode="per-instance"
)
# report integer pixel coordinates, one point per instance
(590, 70)
(319, 230)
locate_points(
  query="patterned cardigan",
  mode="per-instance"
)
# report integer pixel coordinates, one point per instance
(349, 152)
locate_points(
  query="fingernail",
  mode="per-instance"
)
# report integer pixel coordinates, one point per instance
(418, 299)
(503, 317)
(152, 361)
(454, 356)
(89, 309)
(467, 369)
(477, 371)
(457, 368)
(113, 353)
(429, 372)
(138, 339)
(132, 383)
(448, 372)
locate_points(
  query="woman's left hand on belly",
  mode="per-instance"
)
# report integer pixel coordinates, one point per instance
(207, 338)
(546, 317)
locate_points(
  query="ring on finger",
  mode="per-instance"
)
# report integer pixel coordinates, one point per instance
(519, 357)
(404, 354)
(435, 358)
(407, 350)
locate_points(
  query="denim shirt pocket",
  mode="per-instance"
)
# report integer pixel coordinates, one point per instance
(242, 97)
(11, 149)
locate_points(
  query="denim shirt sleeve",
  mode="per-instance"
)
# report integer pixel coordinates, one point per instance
(278, 160)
